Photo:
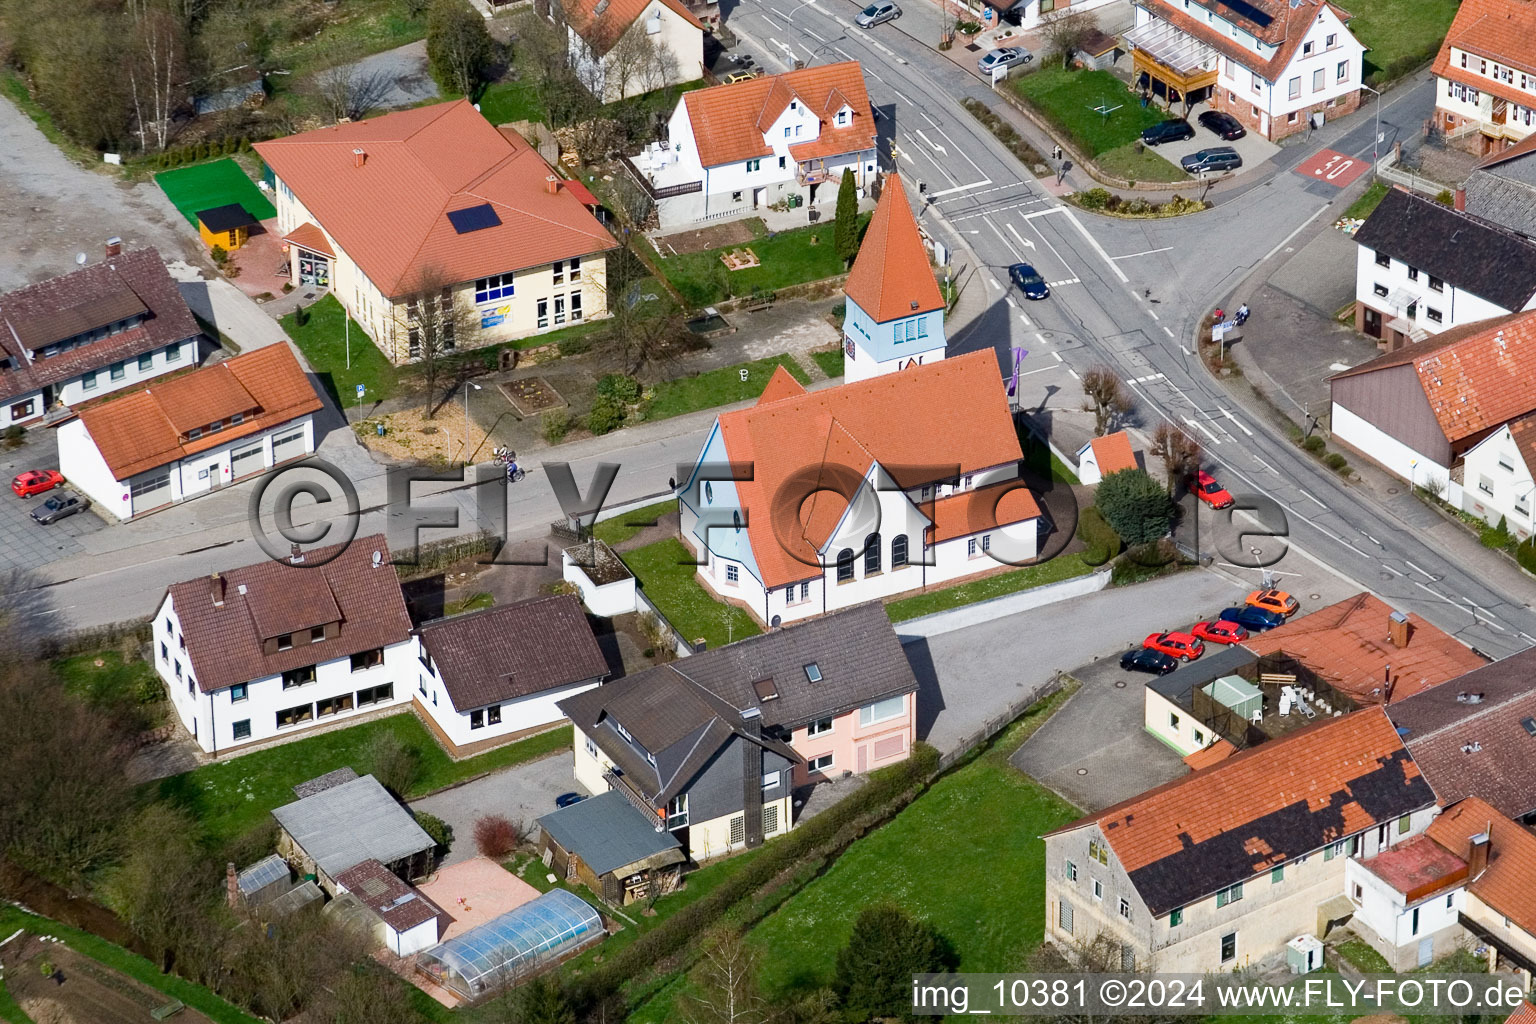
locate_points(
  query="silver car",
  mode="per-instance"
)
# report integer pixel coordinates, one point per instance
(876, 13)
(1004, 57)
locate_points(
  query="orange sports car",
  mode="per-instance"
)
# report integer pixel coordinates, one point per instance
(1277, 601)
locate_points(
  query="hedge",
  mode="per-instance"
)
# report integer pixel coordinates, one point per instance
(1005, 132)
(1102, 540)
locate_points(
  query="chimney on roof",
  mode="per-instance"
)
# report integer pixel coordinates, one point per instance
(551, 184)
(232, 885)
(114, 247)
(359, 157)
(1461, 199)
(216, 589)
(752, 777)
(1477, 855)
(295, 554)
(1398, 629)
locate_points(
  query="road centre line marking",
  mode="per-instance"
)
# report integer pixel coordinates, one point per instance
(1025, 317)
(959, 149)
(1167, 331)
(1153, 314)
(1058, 357)
(1001, 237)
(1391, 570)
(1041, 339)
(1321, 505)
(1073, 373)
(813, 35)
(1009, 300)
(1094, 242)
(1416, 568)
(1240, 424)
(1287, 239)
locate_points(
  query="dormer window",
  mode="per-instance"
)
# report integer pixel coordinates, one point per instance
(621, 730)
(813, 672)
(285, 642)
(842, 118)
(194, 433)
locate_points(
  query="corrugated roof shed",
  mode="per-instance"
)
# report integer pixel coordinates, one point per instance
(349, 823)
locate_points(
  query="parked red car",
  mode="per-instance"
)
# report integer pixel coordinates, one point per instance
(36, 481)
(1211, 492)
(1176, 645)
(1220, 631)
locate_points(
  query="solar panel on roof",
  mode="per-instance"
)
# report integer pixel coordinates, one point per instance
(473, 218)
(1249, 11)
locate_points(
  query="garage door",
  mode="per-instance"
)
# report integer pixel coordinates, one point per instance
(288, 446)
(247, 461)
(151, 492)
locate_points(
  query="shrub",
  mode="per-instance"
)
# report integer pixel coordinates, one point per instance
(574, 346)
(1335, 462)
(219, 255)
(1445, 197)
(438, 830)
(1095, 198)
(1102, 540)
(395, 765)
(1525, 554)
(874, 970)
(245, 144)
(1135, 506)
(1496, 537)
(1143, 562)
(620, 387)
(1138, 206)
(1314, 444)
(554, 425)
(606, 415)
(497, 836)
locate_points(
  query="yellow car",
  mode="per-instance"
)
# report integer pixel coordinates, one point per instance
(740, 76)
(1277, 601)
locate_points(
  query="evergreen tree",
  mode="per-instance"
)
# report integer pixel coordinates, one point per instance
(874, 971)
(846, 230)
(1135, 505)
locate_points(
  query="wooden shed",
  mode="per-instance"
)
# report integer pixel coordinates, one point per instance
(1099, 50)
(227, 225)
(612, 848)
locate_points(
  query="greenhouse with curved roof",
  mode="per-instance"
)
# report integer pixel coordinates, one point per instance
(514, 945)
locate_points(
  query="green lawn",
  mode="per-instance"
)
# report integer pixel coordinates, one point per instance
(1039, 458)
(129, 690)
(1368, 201)
(358, 28)
(1357, 952)
(665, 571)
(512, 101)
(471, 603)
(1125, 162)
(191, 189)
(323, 338)
(1059, 568)
(831, 362)
(787, 258)
(621, 528)
(118, 959)
(231, 797)
(1069, 98)
(966, 856)
(1399, 35)
(717, 387)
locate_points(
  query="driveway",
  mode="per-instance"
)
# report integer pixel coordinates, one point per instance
(229, 309)
(524, 791)
(1253, 148)
(25, 544)
(398, 77)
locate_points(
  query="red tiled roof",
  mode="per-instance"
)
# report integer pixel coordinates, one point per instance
(225, 644)
(603, 22)
(781, 385)
(1347, 645)
(1113, 452)
(309, 236)
(726, 118)
(1510, 878)
(140, 430)
(891, 278)
(1262, 807)
(1286, 29)
(1207, 756)
(390, 215)
(1418, 867)
(1523, 432)
(397, 904)
(982, 508)
(1519, 149)
(1500, 30)
(1526, 1014)
(953, 413)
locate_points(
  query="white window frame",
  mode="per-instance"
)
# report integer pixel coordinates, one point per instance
(820, 764)
(820, 727)
(882, 711)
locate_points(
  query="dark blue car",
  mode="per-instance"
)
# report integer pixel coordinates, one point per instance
(1144, 659)
(1254, 620)
(566, 799)
(1029, 281)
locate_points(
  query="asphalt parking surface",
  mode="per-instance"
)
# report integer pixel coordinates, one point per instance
(24, 543)
(523, 792)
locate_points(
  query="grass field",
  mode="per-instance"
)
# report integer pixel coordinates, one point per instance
(323, 340)
(231, 797)
(1368, 201)
(205, 186)
(718, 387)
(512, 101)
(1069, 98)
(787, 258)
(128, 690)
(620, 528)
(666, 574)
(353, 30)
(831, 363)
(1399, 35)
(1125, 162)
(1062, 567)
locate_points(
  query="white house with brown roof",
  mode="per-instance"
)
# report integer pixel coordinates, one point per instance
(732, 149)
(435, 199)
(623, 48)
(103, 328)
(493, 676)
(272, 649)
(1275, 65)
(1485, 75)
(190, 435)
(846, 506)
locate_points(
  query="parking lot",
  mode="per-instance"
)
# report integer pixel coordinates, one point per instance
(521, 793)
(25, 544)
(1253, 148)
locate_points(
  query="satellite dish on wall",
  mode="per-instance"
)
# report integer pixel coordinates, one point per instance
(80, 259)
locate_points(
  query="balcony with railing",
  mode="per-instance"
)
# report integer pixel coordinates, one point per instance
(1172, 56)
(813, 172)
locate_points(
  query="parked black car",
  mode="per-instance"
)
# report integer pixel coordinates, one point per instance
(566, 799)
(1217, 158)
(1223, 124)
(1029, 281)
(1144, 659)
(1254, 620)
(1173, 130)
(60, 506)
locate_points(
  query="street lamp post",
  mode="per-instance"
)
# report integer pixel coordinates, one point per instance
(1375, 139)
(476, 387)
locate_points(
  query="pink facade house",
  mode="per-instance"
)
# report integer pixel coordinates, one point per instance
(857, 740)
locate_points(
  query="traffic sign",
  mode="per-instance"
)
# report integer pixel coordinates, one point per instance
(361, 391)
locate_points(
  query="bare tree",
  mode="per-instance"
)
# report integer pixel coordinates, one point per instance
(1108, 398)
(1065, 32)
(157, 60)
(626, 61)
(1180, 453)
(431, 323)
(161, 906)
(346, 90)
(366, 995)
(661, 70)
(725, 989)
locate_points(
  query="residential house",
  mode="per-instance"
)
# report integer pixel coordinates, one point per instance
(1220, 869)
(895, 313)
(1028, 14)
(105, 327)
(190, 435)
(843, 508)
(404, 919)
(1499, 469)
(622, 48)
(341, 820)
(272, 649)
(733, 149)
(1278, 66)
(1422, 268)
(608, 845)
(404, 213)
(1473, 736)
(1408, 899)
(1501, 875)
(1485, 75)
(1419, 410)
(1171, 714)
(1105, 455)
(1502, 188)
(493, 676)
(713, 745)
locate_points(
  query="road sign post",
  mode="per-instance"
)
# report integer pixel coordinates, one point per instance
(360, 392)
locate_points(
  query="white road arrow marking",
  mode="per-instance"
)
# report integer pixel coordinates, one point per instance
(1203, 429)
(937, 148)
